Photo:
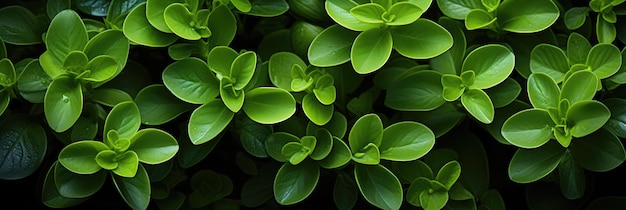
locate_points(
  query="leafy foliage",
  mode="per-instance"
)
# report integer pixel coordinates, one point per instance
(271, 104)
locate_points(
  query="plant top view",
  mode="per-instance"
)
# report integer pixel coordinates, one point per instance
(313, 104)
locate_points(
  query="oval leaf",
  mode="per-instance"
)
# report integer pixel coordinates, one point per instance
(406, 141)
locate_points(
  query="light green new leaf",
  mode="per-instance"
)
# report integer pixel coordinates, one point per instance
(421, 91)
(479, 105)
(435, 200)
(580, 86)
(325, 91)
(449, 174)
(80, 157)
(331, 47)
(529, 165)
(220, 59)
(127, 163)
(154, 13)
(578, 48)
(604, 60)
(369, 13)
(600, 151)
(458, 9)
(479, 19)
(101, 68)
(208, 120)
(493, 63)
(543, 91)
(63, 103)
(371, 50)
(453, 86)
(339, 11)
(367, 129)
(404, 13)
(406, 141)
(181, 21)
(368, 155)
(242, 69)
(379, 186)
(421, 39)
(138, 30)
(191, 81)
(529, 128)
(233, 98)
(294, 183)
(551, 60)
(153, 146)
(317, 112)
(123, 118)
(527, 16)
(586, 117)
(275, 143)
(267, 105)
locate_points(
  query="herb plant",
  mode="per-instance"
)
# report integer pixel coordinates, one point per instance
(313, 104)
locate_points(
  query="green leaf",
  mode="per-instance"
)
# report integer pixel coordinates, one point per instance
(406, 141)
(20, 26)
(578, 48)
(479, 19)
(268, 8)
(527, 16)
(605, 31)
(101, 68)
(571, 177)
(153, 146)
(33, 82)
(80, 157)
(493, 200)
(345, 191)
(435, 200)
(317, 112)
(223, 25)
(242, 69)
(551, 60)
(370, 50)
(580, 86)
(7, 73)
(72, 185)
(63, 103)
(493, 63)
(367, 129)
(600, 151)
(504, 93)
(157, 105)
(294, 183)
(418, 186)
(530, 128)
(154, 12)
(479, 105)
(543, 91)
(450, 61)
(66, 33)
(181, 21)
(458, 9)
(404, 13)
(325, 90)
(112, 43)
(421, 91)
(110, 96)
(127, 163)
(242, 5)
(422, 39)
(448, 174)
(379, 186)
(369, 13)
(281, 65)
(232, 98)
(586, 117)
(134, 190)
(276, 141)
(604, 60)
(23, 144)
(617, 122)
(253, 136)
(331, 47)
(453, 86)
(123, 118)
(530, 165)
(208, 120)
(267, 105)
(368, 155)
(191, 80)
(220, 60)
(339, 11)
(575, 17)
(339, 155)
(138, 30)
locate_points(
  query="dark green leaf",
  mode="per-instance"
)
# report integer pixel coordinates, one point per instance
(379, 186)
(294, 183)
(157, 105)
(23, 144)
(20, 26)
(135, 190)
(600, 151)
(529, 165)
